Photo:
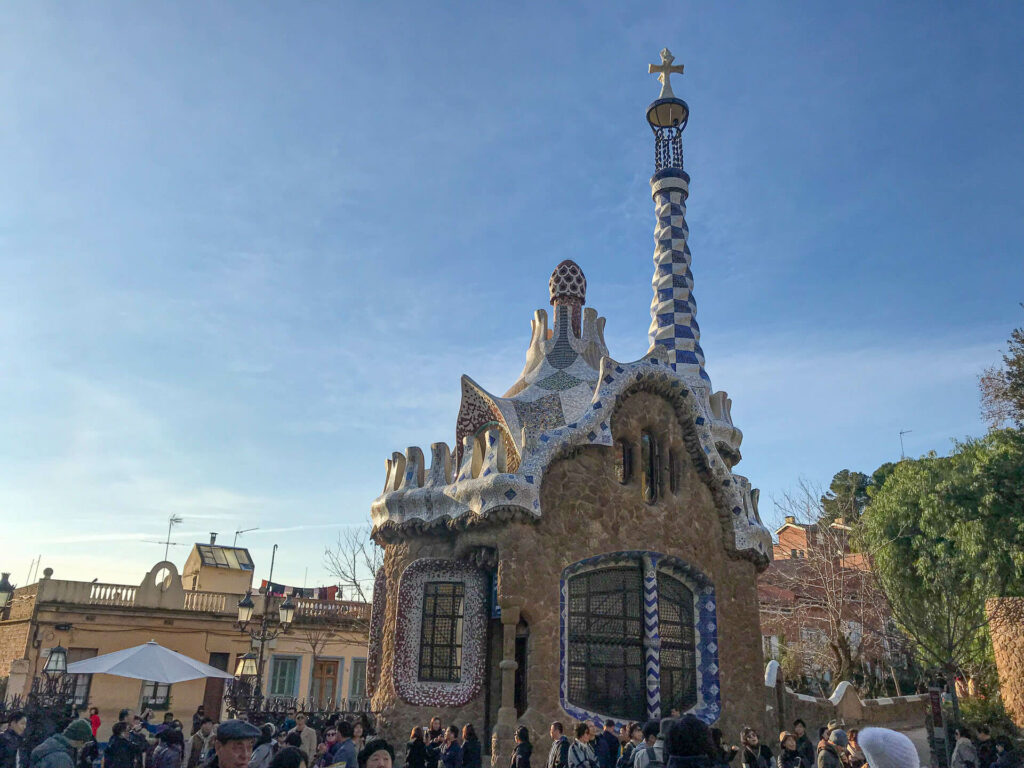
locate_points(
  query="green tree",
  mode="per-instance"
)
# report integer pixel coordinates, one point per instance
(1002, 387)
(947, 533)
(846, 497)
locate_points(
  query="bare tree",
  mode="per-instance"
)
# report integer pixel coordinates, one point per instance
(353, 561)
(834, 602)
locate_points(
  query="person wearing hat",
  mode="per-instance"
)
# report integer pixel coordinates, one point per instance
(58, 751)
(376, 754)
(884, 748)
(830, 755)
(232, 746)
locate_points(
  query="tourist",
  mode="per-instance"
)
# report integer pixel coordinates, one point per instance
(581, 754)
(12, 740)
(232, 744)
(723, 754)
(964, 753)
(986, 747)
(688, 744)
(199, 744)
(358, 736)
(558, 755)
(119, 752)
(433, 737)
(884, 748)
(325, 749)
(789, 755)
(376, 754)
(416, 750)
(634, 735)
(651, 753)
(169, 751)
(606, 746)
(448, 753)
(345, 751)
(140, 739)
(289, 757)
(803, 743)
(58, 751)
(94, 720)
(523, 749)
(755, 754)
(307, 737)
(265, 747)
(1006, 755)
(832, 751)
(197, 718)
(854, 755)
(472, 750)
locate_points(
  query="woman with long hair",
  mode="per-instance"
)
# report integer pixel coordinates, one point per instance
(523, 750)
(416, 750)
(472, 752)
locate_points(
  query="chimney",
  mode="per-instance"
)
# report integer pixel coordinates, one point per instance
(213, 537)
(790, 520)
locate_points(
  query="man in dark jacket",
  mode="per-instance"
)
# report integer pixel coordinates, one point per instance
(58, 751)
(804, 747)
(233, 744)
(12, 740)
(607, 746)
(558, 755)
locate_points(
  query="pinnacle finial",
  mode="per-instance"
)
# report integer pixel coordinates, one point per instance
(665, 71)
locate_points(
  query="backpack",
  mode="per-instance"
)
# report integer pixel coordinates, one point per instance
(652, 756)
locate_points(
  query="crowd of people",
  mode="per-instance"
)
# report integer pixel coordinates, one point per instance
(673, 742)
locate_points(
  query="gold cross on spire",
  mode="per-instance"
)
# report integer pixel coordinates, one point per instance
(665, 70)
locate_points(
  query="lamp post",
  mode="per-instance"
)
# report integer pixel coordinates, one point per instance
(6, 592)
(247, 691)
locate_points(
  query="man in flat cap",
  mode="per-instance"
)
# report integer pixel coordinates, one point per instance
(233, 744)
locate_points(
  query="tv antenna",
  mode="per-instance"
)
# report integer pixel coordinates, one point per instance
(172, 521)
(902, 433)
(239, 533)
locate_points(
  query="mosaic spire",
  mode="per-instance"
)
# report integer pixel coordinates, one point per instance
(674, 331)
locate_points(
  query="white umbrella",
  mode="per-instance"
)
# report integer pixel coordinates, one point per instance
(147, 662)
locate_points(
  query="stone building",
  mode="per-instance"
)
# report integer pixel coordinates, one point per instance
(321, 659)
(586, 550)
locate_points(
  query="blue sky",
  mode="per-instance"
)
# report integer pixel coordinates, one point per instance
(247, 249)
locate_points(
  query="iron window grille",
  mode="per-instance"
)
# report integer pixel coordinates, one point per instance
(605, 663)
(441, 632)
(678, 652)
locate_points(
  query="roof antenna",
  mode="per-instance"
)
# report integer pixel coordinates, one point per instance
(239, 533)
(902, 433)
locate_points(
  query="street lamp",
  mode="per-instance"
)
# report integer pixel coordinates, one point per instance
(56, 663)
(6, 590)
(247, 692)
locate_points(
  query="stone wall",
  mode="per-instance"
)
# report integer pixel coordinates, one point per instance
(587, 512)
(783, 706)
(1006, 626)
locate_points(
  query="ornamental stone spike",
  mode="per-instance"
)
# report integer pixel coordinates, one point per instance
(674, 332)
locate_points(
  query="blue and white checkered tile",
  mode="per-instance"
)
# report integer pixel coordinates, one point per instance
(673, 309)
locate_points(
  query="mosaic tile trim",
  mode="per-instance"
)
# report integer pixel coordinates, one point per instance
(673, 309)
(709, 701)
(477, 496)
(476, 412)
(409, 625)
(378, 611)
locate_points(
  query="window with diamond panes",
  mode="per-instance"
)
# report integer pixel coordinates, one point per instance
(605, 664)
(441, 632)
(678, 655)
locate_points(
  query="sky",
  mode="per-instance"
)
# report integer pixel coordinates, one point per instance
(248, 249)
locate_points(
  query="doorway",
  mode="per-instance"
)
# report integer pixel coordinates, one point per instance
(325, 683)
(213, 696)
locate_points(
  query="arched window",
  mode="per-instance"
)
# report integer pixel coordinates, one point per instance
(650, 467)
(605, 654)
(616, 611)
(623, 461)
